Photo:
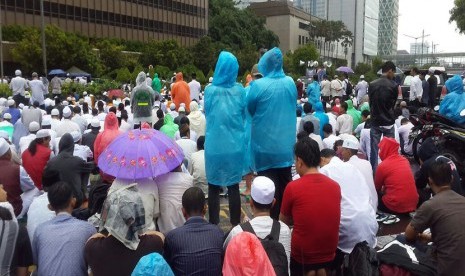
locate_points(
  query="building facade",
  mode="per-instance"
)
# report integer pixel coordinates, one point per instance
(318, 8)
(388, 27)
(144, 20)
(361, 18)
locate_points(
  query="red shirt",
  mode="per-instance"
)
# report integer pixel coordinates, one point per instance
(314, 204)
(34, 165)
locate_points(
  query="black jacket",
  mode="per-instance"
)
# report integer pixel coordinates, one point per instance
(383, 97)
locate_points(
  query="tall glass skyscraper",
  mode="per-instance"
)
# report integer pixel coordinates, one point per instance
(318, 8)
(388, 27)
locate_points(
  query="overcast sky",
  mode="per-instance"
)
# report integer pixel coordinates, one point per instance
(432, 16)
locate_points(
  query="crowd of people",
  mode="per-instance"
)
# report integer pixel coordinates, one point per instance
(323, 165)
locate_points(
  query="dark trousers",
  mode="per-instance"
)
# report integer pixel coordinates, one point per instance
(18, 98)
(375, 137)
(214, 204)
(280, 177)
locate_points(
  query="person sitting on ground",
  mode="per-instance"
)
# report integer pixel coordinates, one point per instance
(36, 156)
(169, 128)
(394, 180)
(261, 200)
(122, 240)
(81, 151)
(198, 166)
(310, 118)
(161, 118)
(358, 129)
(187, 145)
(313, 244)
(443, 214)
(197, 246)
(67, 125)
(354, 113)
(308, 127)
(404, 132)
(192, 134)
(344, 121)
(26, 140)
(182, 114)
(330, 138)
(322, 116)
(89, 138)
(58, 244)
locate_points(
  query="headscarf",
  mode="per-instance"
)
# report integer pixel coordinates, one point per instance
(245, 256)
(156, 83)
(152, 264)
(169, 127)
(197, 119)
(123, 215)
(110, 132)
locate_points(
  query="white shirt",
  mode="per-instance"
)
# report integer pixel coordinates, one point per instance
(317, 139)
(55, 124)
(38, 213)
(82, 152)
(262, 228)
(188, 147)
(404, 132)
(194, 87)
(192, 134)
(358, 218)
(332, 121)
(29, 190)
(18, 85)
(345, 124)
(416, 88)
(171, 187)
(125, 126)
(82, 123)
(198, 170)
(328, 142)
(38, 91)
(365, 168)
(359, 128)
(361, 89)
(67, 126)
(25, 141)
(325, 88)
(336, 88)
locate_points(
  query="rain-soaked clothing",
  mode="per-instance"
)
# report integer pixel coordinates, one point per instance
(454, 102)
(142, 99)
(225, 113)
(271, 103)
(110, 132)
(180, 93)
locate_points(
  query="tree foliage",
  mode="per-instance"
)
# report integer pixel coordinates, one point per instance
(457, 14)
(331, 32)
(305, 53)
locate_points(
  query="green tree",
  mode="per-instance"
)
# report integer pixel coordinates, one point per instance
(304, 53)
(167, 53)
(123, 75)
(110, 55)
(457, 14)
(204, 53)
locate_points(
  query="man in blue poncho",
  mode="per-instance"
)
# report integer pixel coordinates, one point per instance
(225, 144)
(314, 92)
(321, 115)
(454, 102)
(271, 103)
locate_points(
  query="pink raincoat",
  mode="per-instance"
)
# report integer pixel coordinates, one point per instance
(110, 132)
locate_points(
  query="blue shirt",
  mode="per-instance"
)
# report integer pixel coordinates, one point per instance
(195, 248)
(58, 246)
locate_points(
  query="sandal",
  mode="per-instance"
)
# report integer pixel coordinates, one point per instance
(391, 220)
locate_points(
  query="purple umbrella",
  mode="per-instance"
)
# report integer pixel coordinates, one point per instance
(139, 154)
(345, 69)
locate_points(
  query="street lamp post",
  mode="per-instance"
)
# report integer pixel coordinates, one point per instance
(416, 45)
(44, 50)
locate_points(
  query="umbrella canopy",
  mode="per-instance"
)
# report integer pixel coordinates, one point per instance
(57, 72)
(76, 72)
(398, 72)
(116, 93)
(139, 154)
(345, 69)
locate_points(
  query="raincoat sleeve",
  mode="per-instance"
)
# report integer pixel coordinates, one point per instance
(454, 102)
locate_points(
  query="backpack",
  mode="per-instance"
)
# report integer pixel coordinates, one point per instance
(273, 248)
(349, 88)
(362, 261)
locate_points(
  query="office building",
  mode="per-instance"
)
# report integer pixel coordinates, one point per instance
(388, 27)
(316, 8)
(183, 20)
(361, 18)
(419, 48)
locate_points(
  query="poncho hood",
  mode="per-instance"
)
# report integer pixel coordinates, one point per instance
(141, 78)
(318, 107)
(388, 147)
(179, 77)
(66, 144)
(194, 106)
(454, 85)
(226, 70)
(271, 64)
(111, 122)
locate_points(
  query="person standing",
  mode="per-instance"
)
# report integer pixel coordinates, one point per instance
(433, 87)
(325, 89)
(194, 87)
(314, 91)
(416, 88)
(142, 100)
(361, 89)
(272, 99)
(225, 144)
(180, 93)
(337, 88)
(56, 83)
(156, 83)
(382, 93)
(18, 85)
(38, 90)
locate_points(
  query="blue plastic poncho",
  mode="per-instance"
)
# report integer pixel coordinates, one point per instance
(248, 129)
(152, 264)
(314, 93)
(225, 143)
(271, 103)
(321, 115)
(454, 102)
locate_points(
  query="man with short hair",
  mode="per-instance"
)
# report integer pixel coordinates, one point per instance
(308, 128)
(349, 154)
(310, 118)
(361, 89)
(261, 200)
(336, 87)
(58, 244)
(443, 214)
(416, 88)
(195, 248)
(78, 119)
(383, 96)
(433, 87)
(161, 119)
(325, 89)
(18, 85)
(38, 90)
(344, 121)
(306, 203)
(198, 166)
(330, 138)
(194, 87)
(404, 132)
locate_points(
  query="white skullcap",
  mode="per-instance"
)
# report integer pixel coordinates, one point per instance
(4, 135)
(182, 109)
(76, 136)
(65, 103)
(350, 144)
(11, 102)
(46, 122)
(210, 79)
(7, 116)
(172, 106)
(95, 122)
(182, 105)
(85, 93)
(66, 112)
(262, 190)
(42, 133)
(18, 72)
(105, 93)
(55, 112)
(34, 126)
(4, 147)
(21, 105)
(362, 76)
